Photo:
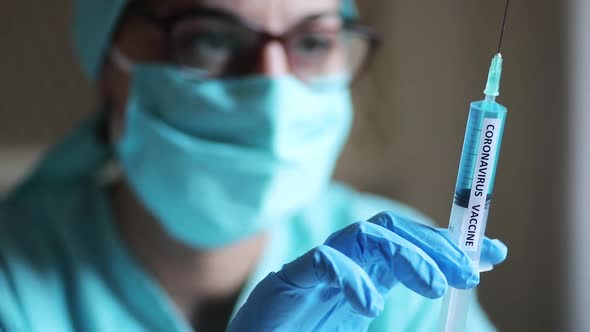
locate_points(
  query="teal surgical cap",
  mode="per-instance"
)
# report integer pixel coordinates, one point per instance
(349, 9)
(95, 20)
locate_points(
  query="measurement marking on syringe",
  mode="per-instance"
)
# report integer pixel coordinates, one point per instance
(473, 220)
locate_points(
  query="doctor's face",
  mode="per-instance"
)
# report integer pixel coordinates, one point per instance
(231, 38)
(184, 30)
(143, 41)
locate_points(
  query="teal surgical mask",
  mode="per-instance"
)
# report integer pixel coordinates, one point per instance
(216, 161)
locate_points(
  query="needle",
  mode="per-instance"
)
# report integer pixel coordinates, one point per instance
(503, 26)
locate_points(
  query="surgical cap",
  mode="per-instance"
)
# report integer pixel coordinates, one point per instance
(95, 20)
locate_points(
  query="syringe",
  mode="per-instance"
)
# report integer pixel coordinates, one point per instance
(473, 191)
(475, 185)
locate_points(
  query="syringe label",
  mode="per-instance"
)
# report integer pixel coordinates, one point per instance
(473, 220)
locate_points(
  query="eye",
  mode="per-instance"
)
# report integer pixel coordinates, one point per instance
(208, 43)
(316, 43)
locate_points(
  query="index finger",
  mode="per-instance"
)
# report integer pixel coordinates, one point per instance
(451, 260)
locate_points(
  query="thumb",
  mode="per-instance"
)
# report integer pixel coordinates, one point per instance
(493, 251)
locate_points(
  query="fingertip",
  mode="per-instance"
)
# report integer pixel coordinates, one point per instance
(418, 272)
(363, 296)
(495, 253)
(376, 307)
(439, 287)
(485, 267)
(373, 310)
(473, 280)
(501, 249)
(469, 276)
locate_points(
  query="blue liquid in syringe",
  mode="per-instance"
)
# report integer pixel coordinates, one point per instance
(479, 111)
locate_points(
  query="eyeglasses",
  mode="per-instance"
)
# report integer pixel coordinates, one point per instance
(218, 44)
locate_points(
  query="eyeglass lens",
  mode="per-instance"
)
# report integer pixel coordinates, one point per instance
(221, 48)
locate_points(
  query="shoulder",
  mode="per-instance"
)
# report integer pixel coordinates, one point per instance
(33, 216)
(42, 245)
(24, 253)
(44, 223)
(11, 314)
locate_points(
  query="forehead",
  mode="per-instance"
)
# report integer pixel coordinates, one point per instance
(274, 15)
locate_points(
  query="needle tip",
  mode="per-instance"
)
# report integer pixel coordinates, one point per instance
(503, 26)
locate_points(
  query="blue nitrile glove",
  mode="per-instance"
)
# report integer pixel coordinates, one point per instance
(341, 285)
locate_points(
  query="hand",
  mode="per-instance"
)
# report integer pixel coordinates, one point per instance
(341, 285)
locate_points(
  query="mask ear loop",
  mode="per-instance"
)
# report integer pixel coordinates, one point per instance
(112, 171)
(121, 60)
(126, 65)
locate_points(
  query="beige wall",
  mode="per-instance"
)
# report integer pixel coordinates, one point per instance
(42, 90)
(410, 121)
(413, 113)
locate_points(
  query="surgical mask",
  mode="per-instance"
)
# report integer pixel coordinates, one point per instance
(216, 161)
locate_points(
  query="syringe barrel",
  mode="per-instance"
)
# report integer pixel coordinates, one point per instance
(477, 172)
(473, 194)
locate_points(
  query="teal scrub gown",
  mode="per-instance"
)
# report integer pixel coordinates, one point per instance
(63, 267)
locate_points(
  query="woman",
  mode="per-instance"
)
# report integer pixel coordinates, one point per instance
(209, 167)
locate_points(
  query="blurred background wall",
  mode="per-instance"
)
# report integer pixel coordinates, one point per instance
(578, 214)
(411, 121)
(411, 113)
